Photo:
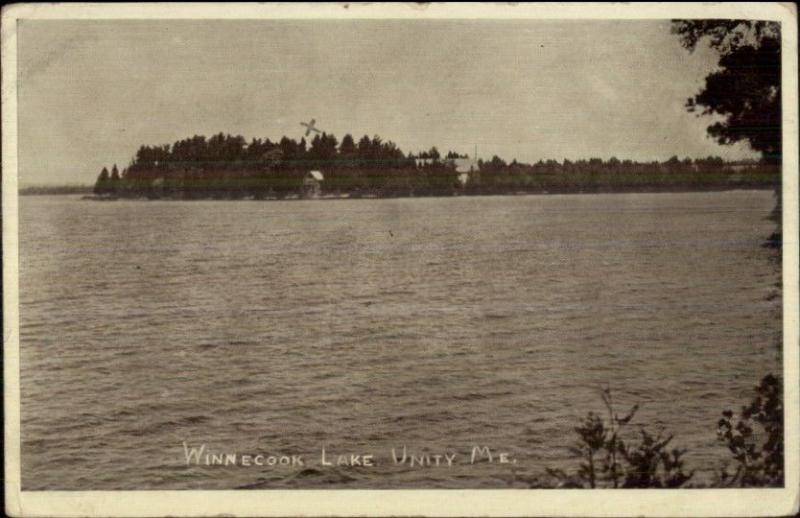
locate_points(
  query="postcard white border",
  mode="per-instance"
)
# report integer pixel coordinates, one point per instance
(343, 502)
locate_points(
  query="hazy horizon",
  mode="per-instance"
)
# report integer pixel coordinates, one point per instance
(91, 92)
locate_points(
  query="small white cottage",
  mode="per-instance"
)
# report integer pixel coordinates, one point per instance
(312, 184)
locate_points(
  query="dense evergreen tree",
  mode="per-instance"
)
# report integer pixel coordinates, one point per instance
(347, 149)
(114, 181)
(102, 185)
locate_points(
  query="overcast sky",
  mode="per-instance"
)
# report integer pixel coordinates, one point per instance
(91, 92)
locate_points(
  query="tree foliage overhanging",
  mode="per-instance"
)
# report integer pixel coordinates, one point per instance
(745, 90)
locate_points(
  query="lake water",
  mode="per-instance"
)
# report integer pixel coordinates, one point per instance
(364, 325)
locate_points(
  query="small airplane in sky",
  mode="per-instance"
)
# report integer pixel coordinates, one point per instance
(310, 127)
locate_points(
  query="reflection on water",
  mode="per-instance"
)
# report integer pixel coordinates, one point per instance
(365, 325)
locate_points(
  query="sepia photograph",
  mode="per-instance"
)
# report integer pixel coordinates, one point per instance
(410, 250)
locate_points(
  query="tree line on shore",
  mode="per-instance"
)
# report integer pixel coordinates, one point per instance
(226, 166)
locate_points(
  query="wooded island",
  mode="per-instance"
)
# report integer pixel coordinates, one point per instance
(228, 167)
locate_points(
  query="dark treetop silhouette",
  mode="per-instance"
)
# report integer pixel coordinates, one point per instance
(746, 90)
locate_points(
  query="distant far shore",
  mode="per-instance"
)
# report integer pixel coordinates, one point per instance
(87, 193)
(55, 189)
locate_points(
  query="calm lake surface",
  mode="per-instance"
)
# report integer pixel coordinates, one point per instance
(365, 325)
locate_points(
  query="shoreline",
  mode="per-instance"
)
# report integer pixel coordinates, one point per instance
(459, 194)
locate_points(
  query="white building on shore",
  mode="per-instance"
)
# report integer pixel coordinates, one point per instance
(312, 184)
